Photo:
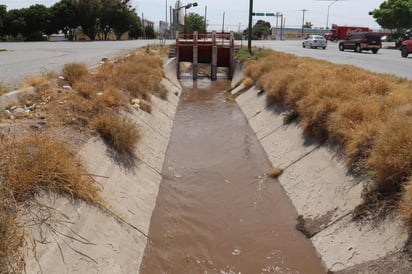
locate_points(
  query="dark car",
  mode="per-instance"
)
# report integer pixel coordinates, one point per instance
(362, 41)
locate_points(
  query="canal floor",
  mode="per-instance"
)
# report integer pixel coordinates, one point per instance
(217, 212)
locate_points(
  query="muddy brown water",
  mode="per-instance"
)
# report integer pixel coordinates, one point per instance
(216, 211)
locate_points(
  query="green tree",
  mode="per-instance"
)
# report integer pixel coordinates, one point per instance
(122, 17)
(135, 29)
(64, 18)
(394, 14)
(14, 22)
(308, 25)
(261, 29)
(195, 22)
(88, 15)
(37, 19)
(149, 32)
(238, 36)
(3, 13)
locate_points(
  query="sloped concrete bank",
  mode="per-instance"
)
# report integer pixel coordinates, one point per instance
(321, 190)
(77, 238)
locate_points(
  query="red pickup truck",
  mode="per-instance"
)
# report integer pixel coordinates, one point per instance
(406, 47)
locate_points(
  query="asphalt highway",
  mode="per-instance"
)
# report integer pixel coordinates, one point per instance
(20, 60)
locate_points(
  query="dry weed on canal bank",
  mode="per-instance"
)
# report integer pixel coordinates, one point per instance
(41, 135)
(367, 115)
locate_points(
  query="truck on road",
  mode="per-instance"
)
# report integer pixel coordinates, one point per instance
(343, 32)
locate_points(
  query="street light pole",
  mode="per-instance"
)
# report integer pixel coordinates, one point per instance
(327, 16)
(176, 15)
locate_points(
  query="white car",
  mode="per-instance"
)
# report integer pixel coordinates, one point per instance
(314, 41)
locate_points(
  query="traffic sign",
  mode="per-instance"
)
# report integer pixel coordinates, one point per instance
(258, 14)
(270, 14)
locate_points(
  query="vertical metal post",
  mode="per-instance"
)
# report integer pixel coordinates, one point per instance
(249, 41)
(195, 55)
(177, 57)
(205, 19)
(213, 72)
(232, 57)
(281, 27)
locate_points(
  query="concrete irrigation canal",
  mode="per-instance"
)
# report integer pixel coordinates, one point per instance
(217, 212)
(197, 199)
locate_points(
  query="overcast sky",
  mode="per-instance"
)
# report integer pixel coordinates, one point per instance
(235, 12)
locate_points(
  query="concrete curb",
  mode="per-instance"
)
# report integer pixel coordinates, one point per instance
(320, 189)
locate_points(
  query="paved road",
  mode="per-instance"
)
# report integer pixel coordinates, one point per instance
(385, 61)
(35, 58)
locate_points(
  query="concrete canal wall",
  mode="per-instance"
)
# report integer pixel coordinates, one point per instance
(318, 184)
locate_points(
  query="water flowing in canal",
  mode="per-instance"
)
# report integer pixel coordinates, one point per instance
(216, 211)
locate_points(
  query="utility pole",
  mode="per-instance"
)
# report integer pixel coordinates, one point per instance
(223, 23)
(303, 20)
(282, 25)
(327, 16)
(205, 18)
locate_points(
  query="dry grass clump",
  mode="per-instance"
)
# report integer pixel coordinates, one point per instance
(37, 162)
(30, 164)
(41, 83)
(139, 75)
(114, 97)
(368, 114)
(74, 72)
(275, 172)
(11, 241)
(85, 89)
(248, 82)
(391, 157)
(3, 89)
(119, 132)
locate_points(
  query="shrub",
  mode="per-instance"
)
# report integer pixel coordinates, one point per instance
(36, 162)
(248, 82)
(30, 164)
(391, 157)
(119, 133)
(11, 241)
(74, 72)
(113, 97)
(84, 88)
(41, 83)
